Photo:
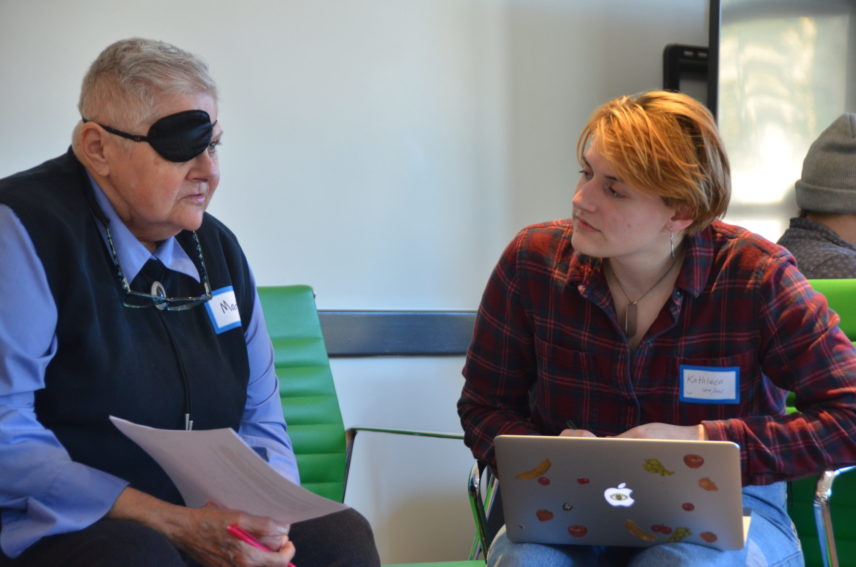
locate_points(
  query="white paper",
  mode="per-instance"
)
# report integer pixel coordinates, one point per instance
(215, 465)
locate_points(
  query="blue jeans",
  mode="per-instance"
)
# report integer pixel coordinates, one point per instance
(772, 542)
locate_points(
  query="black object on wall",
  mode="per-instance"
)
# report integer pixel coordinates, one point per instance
(685, 69)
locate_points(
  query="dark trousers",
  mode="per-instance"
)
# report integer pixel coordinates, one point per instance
(343, 539)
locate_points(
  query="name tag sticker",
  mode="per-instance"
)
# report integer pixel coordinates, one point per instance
(710, 384)
(223, 310)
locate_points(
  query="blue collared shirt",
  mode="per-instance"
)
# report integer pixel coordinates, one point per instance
(42, 491)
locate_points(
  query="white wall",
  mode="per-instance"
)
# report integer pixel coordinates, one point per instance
(383, 151)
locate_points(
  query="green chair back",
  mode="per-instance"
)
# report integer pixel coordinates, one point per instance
(306, 388)
(841, 296)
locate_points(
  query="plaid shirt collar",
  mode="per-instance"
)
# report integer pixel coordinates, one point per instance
(587, 271)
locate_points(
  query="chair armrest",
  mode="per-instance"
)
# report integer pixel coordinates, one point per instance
(823, 516)
(351, 434)
(410, 480)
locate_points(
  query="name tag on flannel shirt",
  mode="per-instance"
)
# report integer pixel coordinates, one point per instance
(710, 384)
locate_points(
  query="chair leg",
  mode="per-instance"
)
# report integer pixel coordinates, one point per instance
(477, 505)
(823, 516)
(483, 489)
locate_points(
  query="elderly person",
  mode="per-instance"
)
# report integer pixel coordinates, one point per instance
(107, 258)
(823, 237)
(598, 320)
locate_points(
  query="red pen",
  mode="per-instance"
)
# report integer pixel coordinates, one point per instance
(246, 537)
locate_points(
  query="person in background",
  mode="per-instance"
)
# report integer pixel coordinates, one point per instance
(823, 237)
(601, 320)
(107, 262)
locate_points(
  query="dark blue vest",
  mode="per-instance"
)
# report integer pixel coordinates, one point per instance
(144, 365)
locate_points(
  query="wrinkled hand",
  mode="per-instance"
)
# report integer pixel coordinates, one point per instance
(666, 431)
(204, 536)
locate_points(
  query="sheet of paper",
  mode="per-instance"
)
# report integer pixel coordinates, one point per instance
(216, 465)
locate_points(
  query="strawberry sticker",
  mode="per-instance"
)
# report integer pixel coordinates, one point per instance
(693, 461)
(544, 515)
(577, 531)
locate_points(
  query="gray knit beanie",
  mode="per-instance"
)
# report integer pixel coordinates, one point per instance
(828, 182)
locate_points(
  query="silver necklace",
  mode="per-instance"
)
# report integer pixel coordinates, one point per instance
(630, 313)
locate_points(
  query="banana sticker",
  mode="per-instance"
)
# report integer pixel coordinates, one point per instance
(635, 530)
(542, 468)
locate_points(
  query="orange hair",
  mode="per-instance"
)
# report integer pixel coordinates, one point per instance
(667, 144)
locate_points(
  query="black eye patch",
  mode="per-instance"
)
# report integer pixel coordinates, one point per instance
(178, 137)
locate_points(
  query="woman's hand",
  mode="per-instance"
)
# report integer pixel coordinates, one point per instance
(666, 431)
(572, 431)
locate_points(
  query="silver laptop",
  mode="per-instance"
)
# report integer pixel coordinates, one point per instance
(621, 492)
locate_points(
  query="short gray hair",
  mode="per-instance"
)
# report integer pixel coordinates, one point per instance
(125, 83)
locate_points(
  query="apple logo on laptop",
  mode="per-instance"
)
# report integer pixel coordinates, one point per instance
(619, 496)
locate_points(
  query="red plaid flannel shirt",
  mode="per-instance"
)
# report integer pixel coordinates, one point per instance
(548, 348)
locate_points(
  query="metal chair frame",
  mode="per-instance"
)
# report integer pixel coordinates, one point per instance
(823, 516)
(482, 489)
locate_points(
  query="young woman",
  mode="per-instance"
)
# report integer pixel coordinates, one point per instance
(594, 320)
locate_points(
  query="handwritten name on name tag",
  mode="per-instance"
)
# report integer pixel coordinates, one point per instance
(710, 384)
(223, 310)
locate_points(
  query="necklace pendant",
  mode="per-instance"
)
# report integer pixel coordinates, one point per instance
(630, 319)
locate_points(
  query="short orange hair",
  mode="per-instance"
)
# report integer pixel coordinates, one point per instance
(667, 144)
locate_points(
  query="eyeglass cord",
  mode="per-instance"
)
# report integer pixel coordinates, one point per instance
(188, 421)
(188, 414)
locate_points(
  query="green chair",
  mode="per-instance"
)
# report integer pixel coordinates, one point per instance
(306, 388)
(309, 395)
(810, 499)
